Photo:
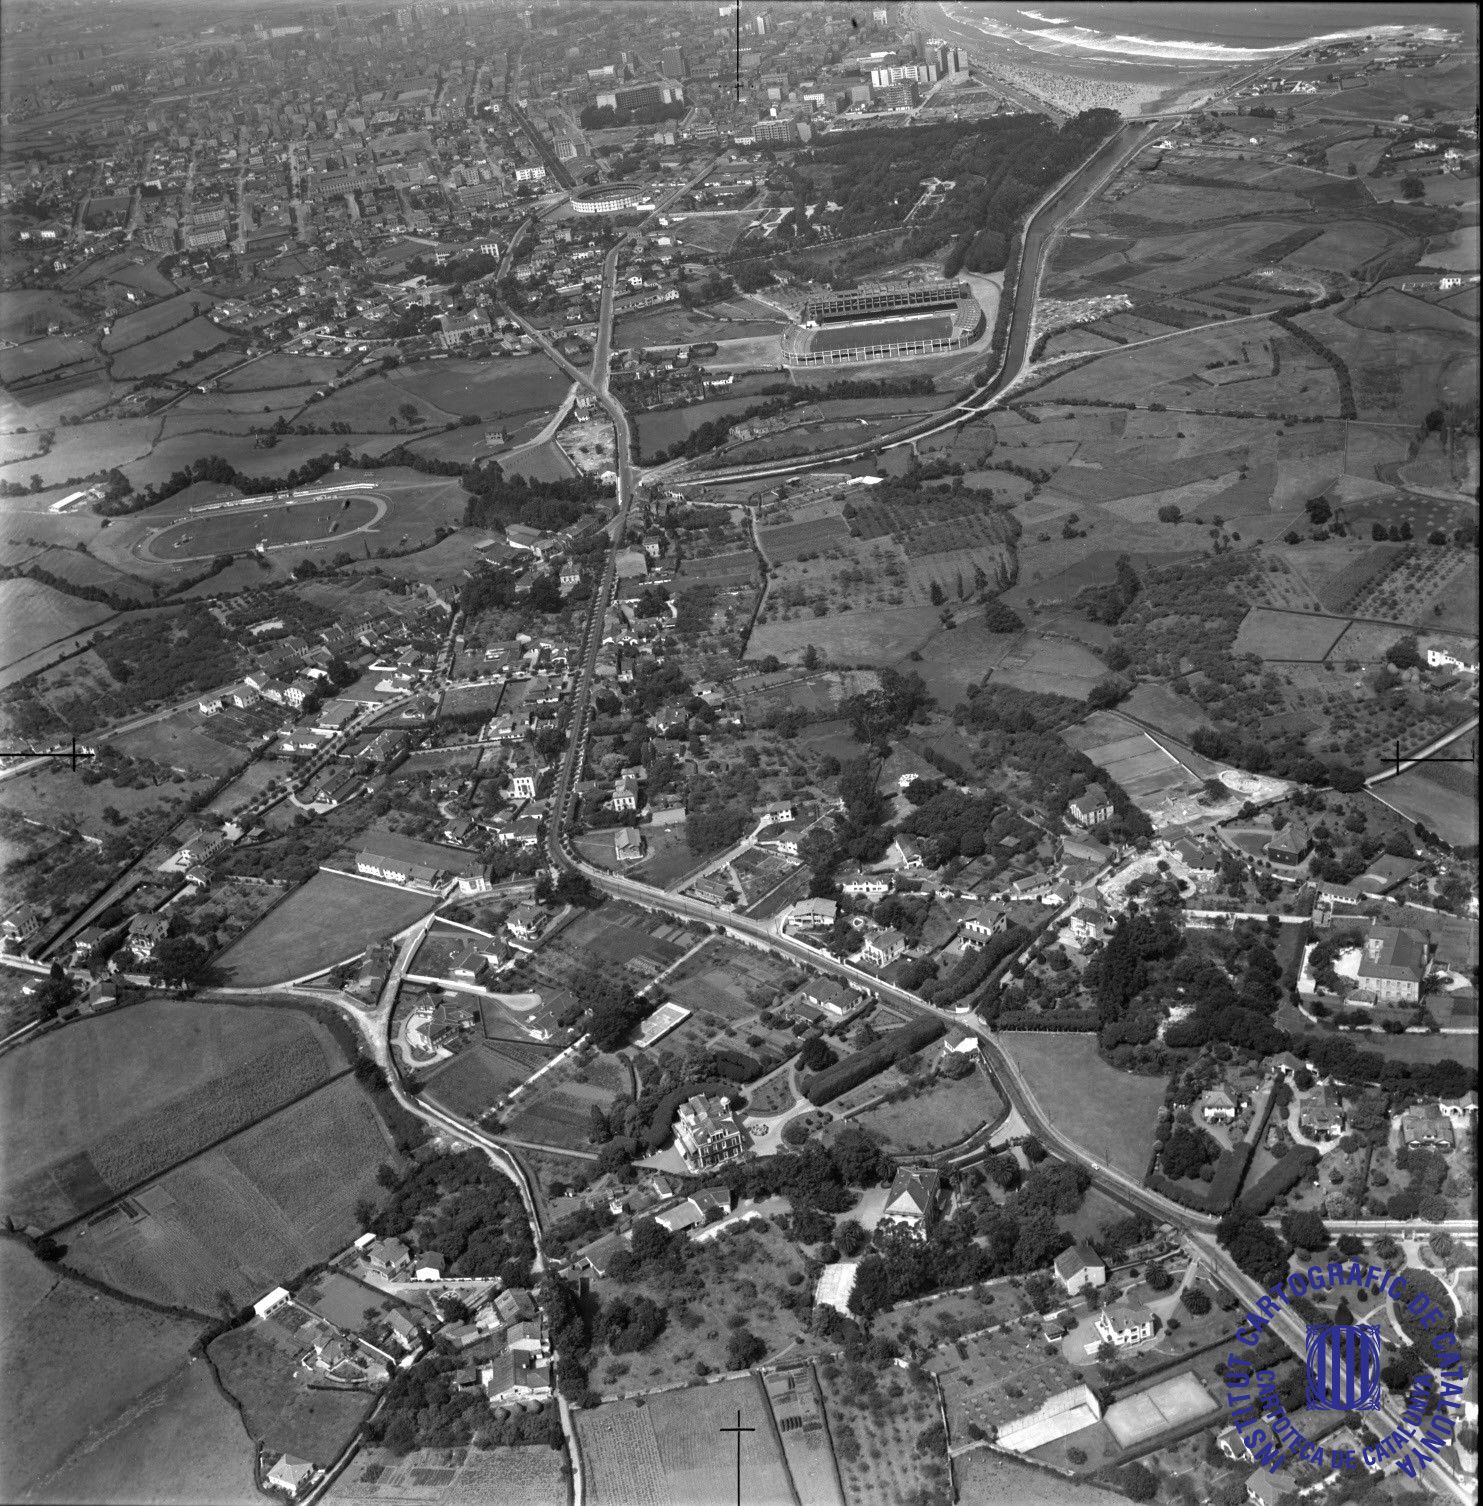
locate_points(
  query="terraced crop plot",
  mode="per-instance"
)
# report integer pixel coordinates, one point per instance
(112, 1101)
(665, 1450)
(562, 1118)
(803, 540)
(740, 565)
(1149, 774)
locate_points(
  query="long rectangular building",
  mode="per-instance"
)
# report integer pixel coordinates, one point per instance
(875, 303)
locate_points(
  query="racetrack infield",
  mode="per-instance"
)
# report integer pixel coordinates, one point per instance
(275, 523)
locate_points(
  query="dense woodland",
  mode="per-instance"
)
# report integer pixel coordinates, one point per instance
(1001, 166)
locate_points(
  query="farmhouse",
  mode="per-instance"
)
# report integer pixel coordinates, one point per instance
(912, 1201)
(706, 1133)
(1080, 1267)
(515, 1375)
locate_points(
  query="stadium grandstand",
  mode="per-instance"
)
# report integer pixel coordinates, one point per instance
(884, 324)
(883, 303)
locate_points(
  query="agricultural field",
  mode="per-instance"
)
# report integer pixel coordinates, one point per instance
(657, 431)
(271, 1201)
(640, 1452)
(1287, 636)
(33, 615)
(49, 353)
(165, 353)
(102, 1401)
(1441, 796)
(110, 1101)
(133, 329)
(946, 1113)
(525, 1476)
(875, 1427)
(487, 389)
(1055, 666)
(1092, 1104)
(475, 1080)
(279, 1410)
(328, 920)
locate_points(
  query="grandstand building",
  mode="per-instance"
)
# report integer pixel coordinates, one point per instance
(884, 323)
(883, 303)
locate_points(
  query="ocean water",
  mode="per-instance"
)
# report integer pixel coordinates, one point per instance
(1182, 36)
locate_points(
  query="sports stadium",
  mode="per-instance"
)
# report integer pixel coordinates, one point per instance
(610, 198)
(884, 323)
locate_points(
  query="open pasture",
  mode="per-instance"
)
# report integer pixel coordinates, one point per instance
(711, 230)
(269, 1202)
(1287, 636)
(944, 1115)
(1359, 152)
(281, 1412)
(157, 319)
(238, 530)
(49, 353)
(474, 1080)
(376, 403)
(246, 454)
(665, 427)
(28, 311)
(110, 1100)
(87, 450)
(883, 635)
(1093, 1104)
(274, 371)
(1441, 796)
(331, 918)
(489, 389)
(1050, 666)
(1344, 247)
(85, 570)
(74, 1366)
(178, 742)
(1177, 204)
(176, 347)
(33, 615)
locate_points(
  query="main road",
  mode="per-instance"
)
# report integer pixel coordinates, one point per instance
(1046, 221)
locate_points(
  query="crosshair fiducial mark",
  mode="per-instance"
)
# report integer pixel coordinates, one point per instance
(1472, 758)
(738, 1429)
(71, 754)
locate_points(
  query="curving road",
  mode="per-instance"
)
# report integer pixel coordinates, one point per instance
(1046, 221)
